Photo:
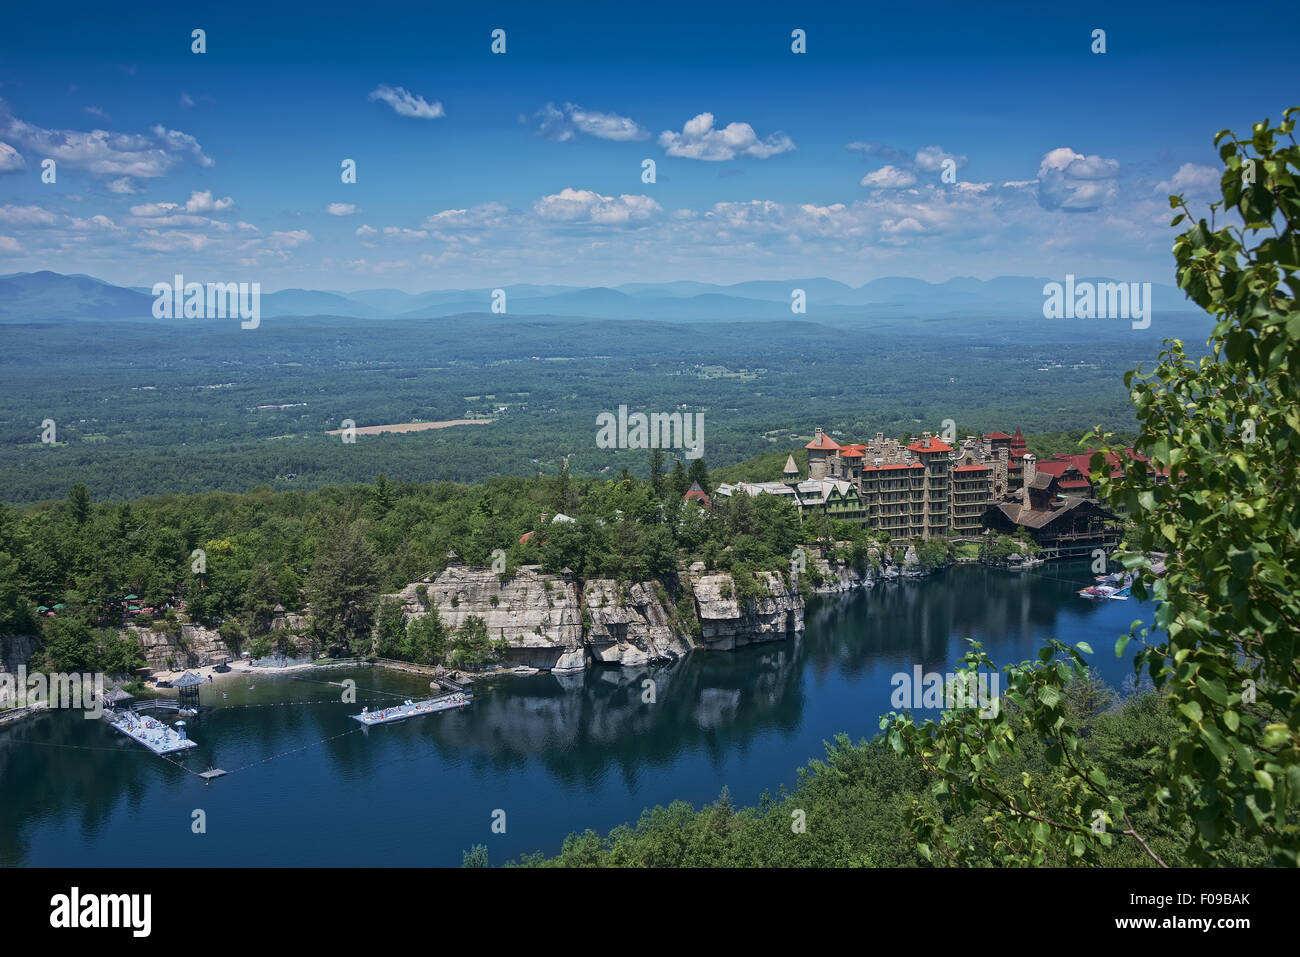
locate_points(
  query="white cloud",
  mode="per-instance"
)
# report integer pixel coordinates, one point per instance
(202, 202)
(104, 153)
(27, 216)
(399, 232)
(1191, 178)
(930, 159)
(407, 104)
(11, 161)
(583, 205)
(290, 239)
(1075, 183)
(889, 177)
(123, 186)
(476, 217)
(565, 123)
(10, 245)
(341, 209)
(699, 139)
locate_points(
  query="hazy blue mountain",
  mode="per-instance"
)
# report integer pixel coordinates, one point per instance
(48, 296)
(51, 297)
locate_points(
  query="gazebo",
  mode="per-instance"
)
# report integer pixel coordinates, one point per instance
(187, 690)
(117, 696)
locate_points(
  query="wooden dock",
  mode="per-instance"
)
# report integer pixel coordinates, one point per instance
(413, 709)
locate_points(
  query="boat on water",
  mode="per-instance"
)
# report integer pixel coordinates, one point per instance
(1117, 585)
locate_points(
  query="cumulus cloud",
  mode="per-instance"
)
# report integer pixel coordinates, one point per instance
(11, 161)
(565, 123)
(1075, 183)
(200, 202)
(583, 205)
(699, 139)
(27, 216)
(1191, 178)
(290, 239)
(930, 159)
(407, 104)
(123, 186)
(10, 246)
(889, 177)
(105, 153)
(341, 209)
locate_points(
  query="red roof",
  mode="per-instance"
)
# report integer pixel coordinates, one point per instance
(827, 444)
(1018, 442)
(849, 452)
(971, 468)
(996, 435)
(936, 445)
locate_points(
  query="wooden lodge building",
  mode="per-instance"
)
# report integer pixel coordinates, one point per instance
(1062, 526)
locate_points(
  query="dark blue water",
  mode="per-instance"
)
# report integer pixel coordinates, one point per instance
(554, 754)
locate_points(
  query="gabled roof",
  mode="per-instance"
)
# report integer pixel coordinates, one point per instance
(996, 436)
(697, 494)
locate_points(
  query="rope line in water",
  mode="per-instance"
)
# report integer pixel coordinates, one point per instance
(304, 747)
(391, 694)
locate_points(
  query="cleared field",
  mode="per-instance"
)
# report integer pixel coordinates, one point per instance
(411, 426)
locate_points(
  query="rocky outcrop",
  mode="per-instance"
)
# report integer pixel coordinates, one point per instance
(631, 625)
(535, 612)
(194, 647)
(16, 651)
(727, 623)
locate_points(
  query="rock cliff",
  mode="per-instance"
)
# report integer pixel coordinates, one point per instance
(725, 624)
(194, 647)
(537, 613)
(631, 626)
(16, 651)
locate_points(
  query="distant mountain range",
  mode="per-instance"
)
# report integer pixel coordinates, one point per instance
(53, 297)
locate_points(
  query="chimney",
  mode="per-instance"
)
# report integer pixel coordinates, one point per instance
(1029, 474)
(817, 435)
(925, 440)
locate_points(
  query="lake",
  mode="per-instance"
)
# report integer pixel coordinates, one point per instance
(555, 754)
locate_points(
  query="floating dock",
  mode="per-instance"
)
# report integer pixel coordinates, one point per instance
(154, 735)
(413, 709)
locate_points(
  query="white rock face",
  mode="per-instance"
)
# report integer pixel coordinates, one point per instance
(194, 648)
(726, 625)
(630, 631)
(535, 612)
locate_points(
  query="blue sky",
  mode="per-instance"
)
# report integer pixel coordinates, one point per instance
(476, 169)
